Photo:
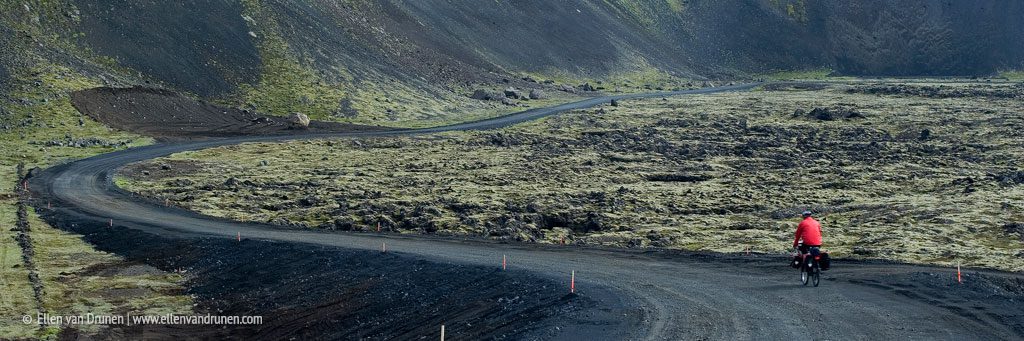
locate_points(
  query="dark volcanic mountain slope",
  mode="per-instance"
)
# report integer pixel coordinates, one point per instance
(921, 37)
(395, 60)
(201, 46)
(206, 47)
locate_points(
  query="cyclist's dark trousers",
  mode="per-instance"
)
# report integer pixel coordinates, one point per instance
(814, 250)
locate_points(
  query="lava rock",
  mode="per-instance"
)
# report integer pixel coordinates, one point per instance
(1017, 228)
(829, 114)
(513, 93)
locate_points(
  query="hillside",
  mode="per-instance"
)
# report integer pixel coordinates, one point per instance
(399, 62)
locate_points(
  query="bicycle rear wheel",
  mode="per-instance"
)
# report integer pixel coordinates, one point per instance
(804, 275)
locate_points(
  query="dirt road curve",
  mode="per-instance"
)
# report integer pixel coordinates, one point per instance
(666, 295)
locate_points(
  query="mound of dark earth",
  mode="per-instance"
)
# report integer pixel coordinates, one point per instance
(165, 114)
(305, 291)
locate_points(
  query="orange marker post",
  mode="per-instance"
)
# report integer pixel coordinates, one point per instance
(378, 227)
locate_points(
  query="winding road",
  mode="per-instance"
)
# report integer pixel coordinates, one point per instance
(664, 295)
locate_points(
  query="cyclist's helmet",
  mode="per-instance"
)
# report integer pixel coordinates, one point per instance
(806, 214)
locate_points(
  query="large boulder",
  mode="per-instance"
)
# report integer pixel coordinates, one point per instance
(487, 95)
(567, 88)
(512, 93)
(480, 94)
(298, 120)
(536, 94)
(586, 87)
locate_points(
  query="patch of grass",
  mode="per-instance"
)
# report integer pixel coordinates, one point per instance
(286, 85)
(74, 285)
(640, 77)
(37, 127)
(15, 290)
(677, 6)
(1013, 75)
(815, 74)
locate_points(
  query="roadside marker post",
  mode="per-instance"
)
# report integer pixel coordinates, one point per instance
(111, 223)
(239, 235)
(48, 205)
(378, 227)
(383, 247)
(572, 283)
(442, 332)
(503, 261)
(958, 278)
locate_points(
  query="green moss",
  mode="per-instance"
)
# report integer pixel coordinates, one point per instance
(677, 6)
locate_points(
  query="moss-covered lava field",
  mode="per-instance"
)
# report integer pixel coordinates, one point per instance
(920, 172)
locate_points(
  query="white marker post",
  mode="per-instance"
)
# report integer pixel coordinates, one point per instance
(442, 332)
(383, 247)
(503, 267)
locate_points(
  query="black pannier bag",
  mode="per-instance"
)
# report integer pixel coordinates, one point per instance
(795, 262)
(825, 262)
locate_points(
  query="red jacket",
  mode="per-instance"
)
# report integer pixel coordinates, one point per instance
(810, 231)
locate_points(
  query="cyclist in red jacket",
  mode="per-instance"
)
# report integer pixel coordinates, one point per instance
(809, 231)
